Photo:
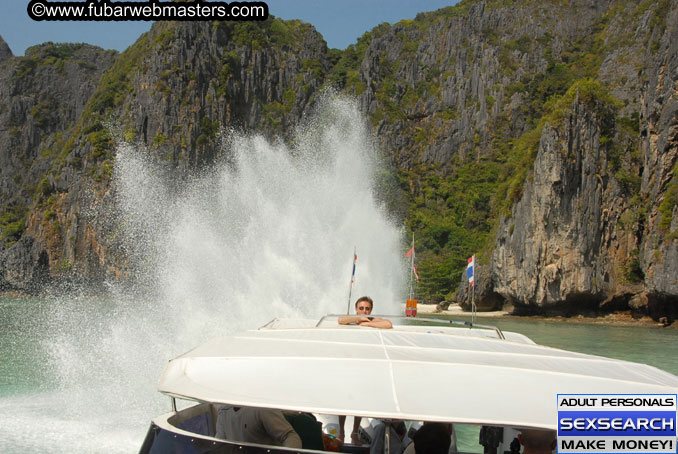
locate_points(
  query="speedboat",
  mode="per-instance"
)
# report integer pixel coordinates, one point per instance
(434, 370)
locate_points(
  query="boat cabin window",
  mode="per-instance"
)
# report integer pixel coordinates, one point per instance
(319, 433)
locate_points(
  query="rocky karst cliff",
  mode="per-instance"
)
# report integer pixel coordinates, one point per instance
(594, 227)
(539, 135)
(457, 97)
(564, 240)
(170, 92)
(42, 95)
(658, 256)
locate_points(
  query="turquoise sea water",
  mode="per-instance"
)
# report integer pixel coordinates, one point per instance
(49, 403)
(651, 345)
(655, 346)
(21, 359)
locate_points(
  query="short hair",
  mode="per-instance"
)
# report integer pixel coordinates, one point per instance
(538, 439)
(432, 438)
(399, 427)
(365, 298)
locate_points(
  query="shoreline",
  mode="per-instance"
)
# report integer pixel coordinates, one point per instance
(612, 319)
(454, 310)
(13, 294)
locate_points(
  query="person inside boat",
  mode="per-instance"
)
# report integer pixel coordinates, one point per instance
(431, 438)
(363, 307)
(256, 425)
(537, 441)
(398, 439)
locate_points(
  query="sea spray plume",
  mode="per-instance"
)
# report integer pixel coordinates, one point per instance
(144, 196)
(277, 238)
(269, 232)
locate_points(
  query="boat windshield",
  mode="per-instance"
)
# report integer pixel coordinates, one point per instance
(399, 322)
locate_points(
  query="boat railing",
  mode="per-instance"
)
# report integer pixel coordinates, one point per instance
(425, 321)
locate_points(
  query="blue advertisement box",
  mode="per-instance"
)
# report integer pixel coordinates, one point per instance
(617, 423)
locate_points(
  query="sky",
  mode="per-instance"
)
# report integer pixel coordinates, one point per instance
(340, 22)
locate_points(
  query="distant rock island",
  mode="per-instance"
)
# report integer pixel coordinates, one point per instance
(540, 136)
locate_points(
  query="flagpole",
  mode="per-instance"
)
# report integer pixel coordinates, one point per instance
(412, 268)
(350, 287)
(473, 292)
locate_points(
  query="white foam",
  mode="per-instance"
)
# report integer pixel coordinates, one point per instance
(268, 232)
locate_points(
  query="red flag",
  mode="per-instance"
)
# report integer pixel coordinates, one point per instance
(410, 252)
(416, 275)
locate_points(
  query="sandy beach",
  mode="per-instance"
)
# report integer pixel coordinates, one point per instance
(456, 310)
(616, 318)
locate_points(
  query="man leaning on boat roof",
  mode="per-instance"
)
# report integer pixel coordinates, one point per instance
(363, 307)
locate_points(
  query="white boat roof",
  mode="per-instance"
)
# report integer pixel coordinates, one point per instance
(420, 373)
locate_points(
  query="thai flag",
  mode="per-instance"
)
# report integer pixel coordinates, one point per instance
(355, 259)
(469, 269)
(410, 254)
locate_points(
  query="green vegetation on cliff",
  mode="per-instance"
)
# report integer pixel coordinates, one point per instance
(12, 224)
(459, 99)
(669, 205)
(454, 207)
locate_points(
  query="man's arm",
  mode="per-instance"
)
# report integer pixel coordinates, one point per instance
(292, 441)
(377, 322)
(352, 319)
(279, 429)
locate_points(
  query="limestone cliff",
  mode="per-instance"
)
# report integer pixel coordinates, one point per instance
(594, 228)
(42, 95)
(540, 135)
(575, 198)
(564, 241)
(170, 92)
(658, 256)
